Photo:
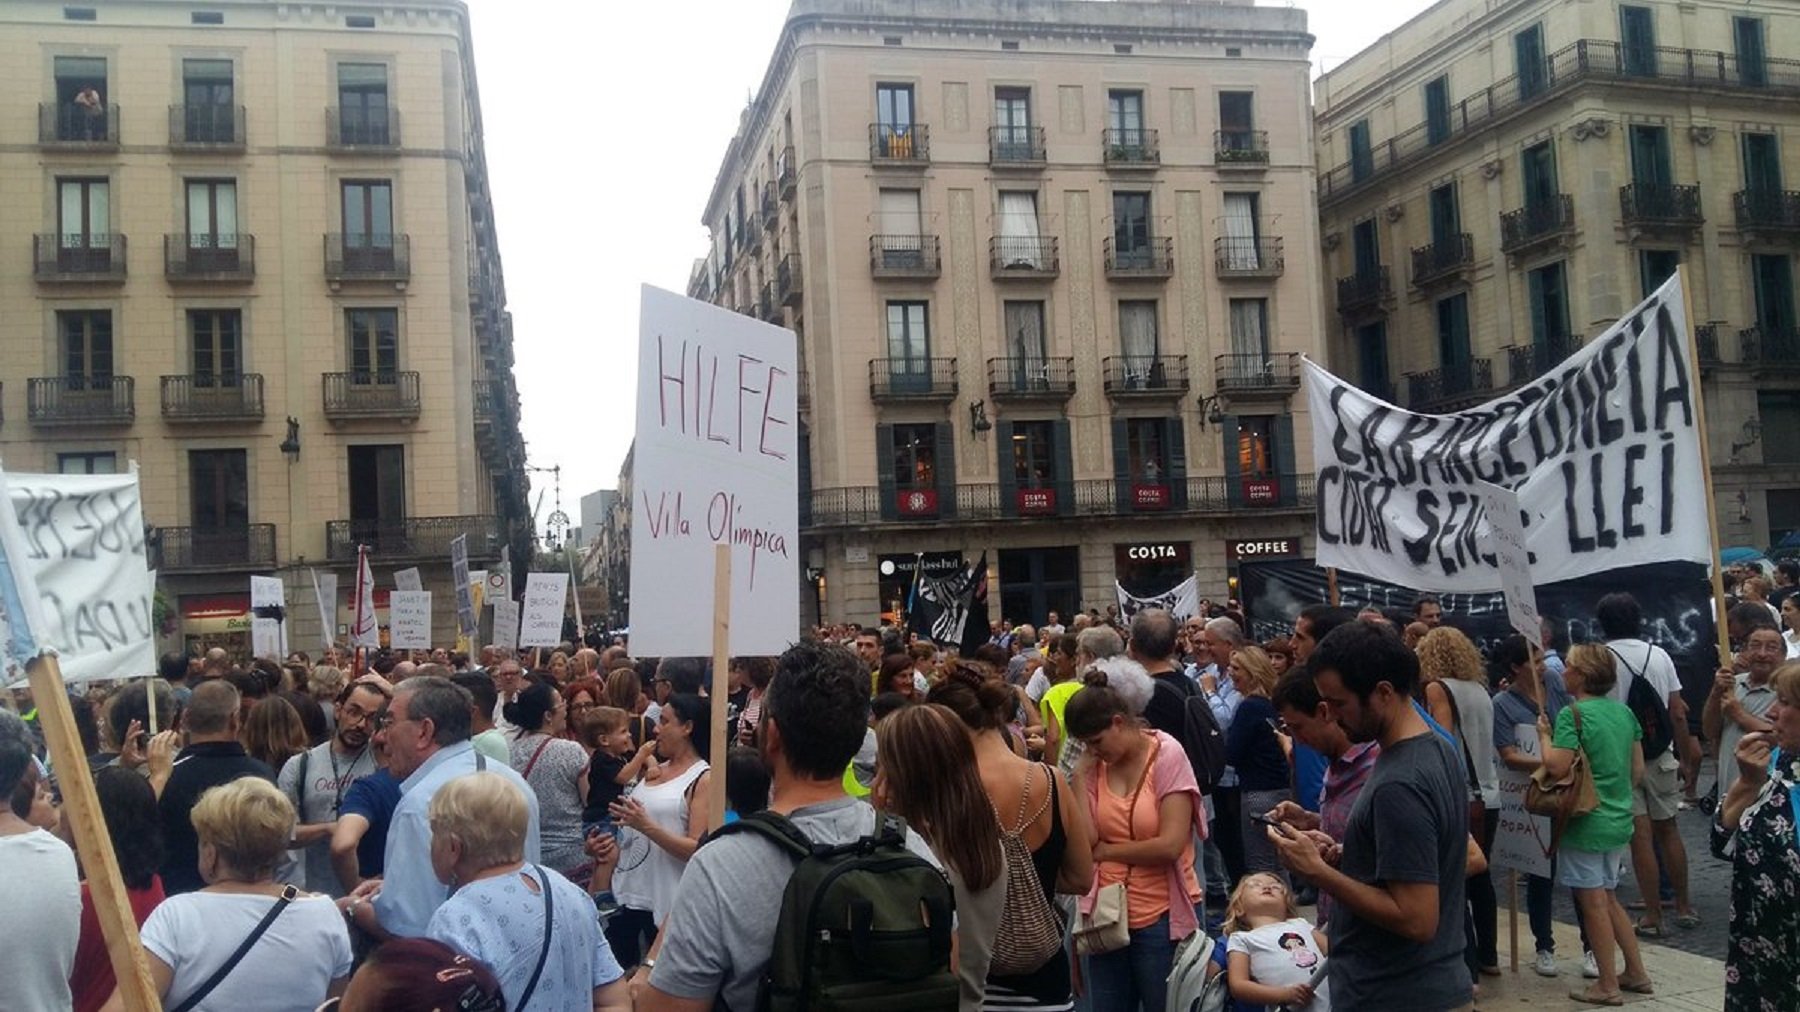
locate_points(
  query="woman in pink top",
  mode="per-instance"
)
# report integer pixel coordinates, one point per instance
(1146, 814)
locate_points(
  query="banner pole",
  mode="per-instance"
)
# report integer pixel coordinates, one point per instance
(1331, 587)
(575, 595)
(721, 678)
(1512, 916)
(1713, 565)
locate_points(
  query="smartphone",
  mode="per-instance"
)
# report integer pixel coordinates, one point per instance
(1277, 726)
(1279, 827)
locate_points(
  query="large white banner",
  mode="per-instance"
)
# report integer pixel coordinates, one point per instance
(83, 537)
(1603, 451)
(716, 463)
(1181, 601)
(542, 615)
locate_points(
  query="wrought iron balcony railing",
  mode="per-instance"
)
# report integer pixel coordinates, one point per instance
(208, 398)
(81, 400)
(380, 394)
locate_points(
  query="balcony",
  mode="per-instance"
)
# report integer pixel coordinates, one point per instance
(1365, 292)
(1660, 208)
(1023, 258)
(66, 126)
(768, 309)
(358, 131)
(80, 400)
(1443, 262)
(368, 258)
(356, 395)
(205, 398)
(1706, 343)
(1240, 149)
(1526, 362)
(1151, 259)
(1031, 379)
(1241, 376)
(1238, 256)
(788, 281)
(484, 402)
(803, 388)
(209, 258)
(1537, 224)
(912, 379)
(1145, 376)
(771, 207)
(1768, 215)
(196, 549)
(1452, 386)
(212, 126)
(902, 146)
(1016, 147)
(425, 538)
(1767, 348)
(78, 259)
(750, 235)
(787, 173)
(1212, 495)
(1130, 149)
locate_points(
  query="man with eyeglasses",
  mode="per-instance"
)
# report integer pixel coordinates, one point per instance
(316, 781)
(1739, 703)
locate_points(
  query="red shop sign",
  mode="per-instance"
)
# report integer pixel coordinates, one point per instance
(1262, 491)
(1036, 501)
(918, 502)
(1150, 497)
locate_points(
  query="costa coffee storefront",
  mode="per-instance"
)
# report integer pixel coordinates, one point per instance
(1149, 570)
(1269, 609)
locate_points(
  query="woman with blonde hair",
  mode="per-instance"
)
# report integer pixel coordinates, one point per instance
(1254, 750)
(299, 949)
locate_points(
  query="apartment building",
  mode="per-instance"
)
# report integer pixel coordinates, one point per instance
(249, 247)
(1051, 267)
(1501, 179)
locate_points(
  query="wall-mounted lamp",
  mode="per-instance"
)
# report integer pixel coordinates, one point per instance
(978, 419)
(291, 445)
(1211, 410)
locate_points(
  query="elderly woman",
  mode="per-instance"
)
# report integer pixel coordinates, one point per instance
(300, 951)
(535, 928)
(1762, 957)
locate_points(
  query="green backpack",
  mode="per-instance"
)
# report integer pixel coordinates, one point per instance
(864, 925)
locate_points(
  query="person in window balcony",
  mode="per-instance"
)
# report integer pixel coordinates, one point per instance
(90, 111)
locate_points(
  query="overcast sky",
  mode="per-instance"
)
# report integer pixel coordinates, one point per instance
(605, 124)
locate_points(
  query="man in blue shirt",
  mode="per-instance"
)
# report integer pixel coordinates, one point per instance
(426, 734)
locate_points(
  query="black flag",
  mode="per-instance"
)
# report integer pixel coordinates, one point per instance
(951, 609)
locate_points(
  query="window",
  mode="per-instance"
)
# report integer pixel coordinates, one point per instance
(207, 18)
(1237, 121)
(1020, 245)
(1137, 339)
(1780, 414)
(894, 120)
(1539, 175)
(1548, 290)
(1012, 125)
(1752, 59)
(359, 21)
(1528, 62)
(1147, 449)
(1365, 247)
(909, 346)
(1024, 322)
(209, 115)
(368, 225)
(1131, 230)
(1650, 155)
(1437, 110)
(81, 98)
(217, 340)
(1250, 336)
(1453, 332)
(1774, 281)
(1656, 266)
(84, 213)
(80, 14)
(1446, 218)
(94, 462)
(1242, 252)
(363, 103)
(899, 217)
(1762, 166)
(219, 483)
(86, 345)
(212, 224)
(1784, 512)
(915, 456)
(378, 494)
(1125, 118)
(1362, 157)
(1033, 453)
(374, 344)
(1256, 446)
(1372, 358)
(1637, 41)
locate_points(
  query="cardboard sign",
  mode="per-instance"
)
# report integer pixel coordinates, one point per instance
(542, 614)
(715, 464)
(506, 623)
(408, 579)
(268, 617)
(1507, 538)
(1523, 840)
(459, 578)
(1603, 451)
(325, 594)
(82, 535)
(409, 620)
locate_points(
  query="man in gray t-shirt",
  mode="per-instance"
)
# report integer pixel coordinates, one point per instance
(719, 936)
(320, 777)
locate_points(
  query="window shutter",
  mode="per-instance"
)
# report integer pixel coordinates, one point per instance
(1065, 468)
(1234, 478)
(1284, 458)
(1175, 440)
(1009, 478)
(803, 462)
(946, 469)
(884, 471)
(1121, 439)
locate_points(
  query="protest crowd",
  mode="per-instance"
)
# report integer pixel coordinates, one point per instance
(1109, 814)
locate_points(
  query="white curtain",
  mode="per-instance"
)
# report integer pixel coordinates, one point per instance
(900, 214)
(1137, 340)
(76, 229)
(1249, 339)
(1019, 244)
(1025, 340)
(1240, 232)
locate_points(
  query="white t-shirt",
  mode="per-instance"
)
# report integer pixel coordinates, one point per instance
(40, 903)
(1039, 684)
(1632, 656)
(290, 968)
(1282, 955)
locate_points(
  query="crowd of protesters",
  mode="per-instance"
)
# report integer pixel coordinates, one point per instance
(537, 831)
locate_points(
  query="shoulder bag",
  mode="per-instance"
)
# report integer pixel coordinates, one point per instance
(288, 895)
(1568, 796)
(1107, 928)
(544, 953)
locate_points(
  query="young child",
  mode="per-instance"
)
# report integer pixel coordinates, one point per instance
(615, 764)
(1271, 951)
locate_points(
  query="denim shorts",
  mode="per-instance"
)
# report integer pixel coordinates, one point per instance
(1586, 869)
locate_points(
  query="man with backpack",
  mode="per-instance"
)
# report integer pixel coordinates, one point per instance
(1649, 686)
(752, 913)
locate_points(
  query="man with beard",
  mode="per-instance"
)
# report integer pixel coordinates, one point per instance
(316, 781)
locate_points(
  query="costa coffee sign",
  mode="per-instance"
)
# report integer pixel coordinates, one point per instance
(1150, 497)
(1270, 548)
(1036, 501)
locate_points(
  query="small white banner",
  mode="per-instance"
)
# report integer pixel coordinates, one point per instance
(409, 620)
(542, 616)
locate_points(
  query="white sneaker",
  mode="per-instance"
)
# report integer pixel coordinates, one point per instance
(1546, 964)
(1588, 969)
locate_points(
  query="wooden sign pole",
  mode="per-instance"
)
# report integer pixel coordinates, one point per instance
(721, 677)
(82, 808)
(1331, 587)
(1714, 566)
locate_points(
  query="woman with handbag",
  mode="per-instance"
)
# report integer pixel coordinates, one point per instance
(556, 769)
(1146, 814)
(1592, 762)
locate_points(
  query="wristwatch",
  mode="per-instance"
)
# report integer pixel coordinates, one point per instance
(350, 911)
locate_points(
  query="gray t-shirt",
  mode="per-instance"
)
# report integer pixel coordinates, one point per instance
(328, 776)
(718, 938)
(1409, 824)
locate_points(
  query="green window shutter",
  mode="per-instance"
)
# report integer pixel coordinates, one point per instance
(1234, 483)
(884, 471)
(1065, 468)
(1284, 458)
(1009, 479)
(946, 469)
(1121, 452)
(1175, 438)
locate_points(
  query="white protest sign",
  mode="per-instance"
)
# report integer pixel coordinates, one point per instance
(715, 463)
(542, 614)
(1603, 451)
(409, 619)
(506, 623)
(268, 617)
(83, 537)
(1506, 536)
(1523, 840)
(459, 579)
(408, 579)
(325, 594)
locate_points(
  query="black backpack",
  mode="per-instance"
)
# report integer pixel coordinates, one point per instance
(1200, 737)
(863, 925)
(1651, 710)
